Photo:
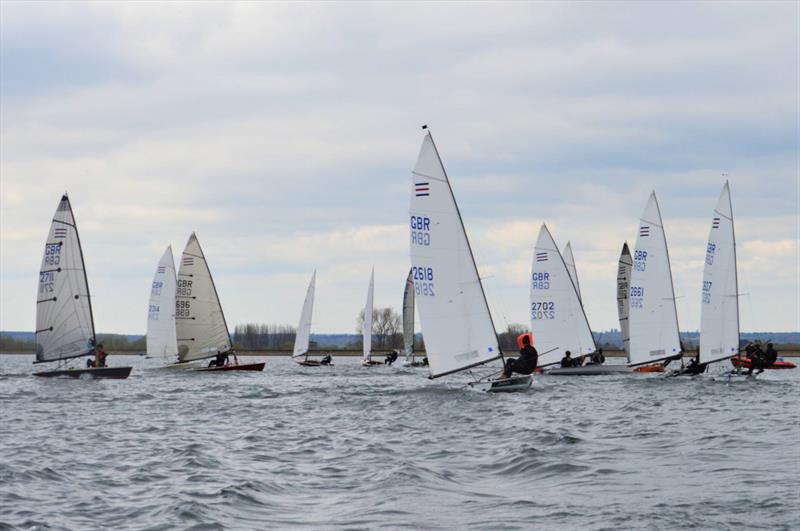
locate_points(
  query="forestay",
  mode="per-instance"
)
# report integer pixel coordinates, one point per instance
(303, 337)
(64, 322)
(366, 326)
(569, 260)
(200, 323)
(408, 318)
(453, 312)
(557, 318)
(719, 310)
(653, 318)
(161, 338)
(623, 300)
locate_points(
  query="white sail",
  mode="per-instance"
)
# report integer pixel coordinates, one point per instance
(453, 312)
(200, 323)
(719, 310)
(558, 322)
(366, 329)
(408, 318)
(64, 322)
(653, 317)
(303, 337)
(569, 260)
(161, 338)
(623, 299)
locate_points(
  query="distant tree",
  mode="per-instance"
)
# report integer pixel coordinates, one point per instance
(386, 326)
(9, 344)
(508, 339)
(263, 336)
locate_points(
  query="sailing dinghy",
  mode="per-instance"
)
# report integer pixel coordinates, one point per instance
(366, 326)
(653, 316)
(64, 319)
(408, 324)
(558, 320)
(161, 338)
(303, 337)
(200, 324)
(453, 312)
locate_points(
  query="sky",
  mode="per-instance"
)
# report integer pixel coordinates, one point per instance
(285, 134)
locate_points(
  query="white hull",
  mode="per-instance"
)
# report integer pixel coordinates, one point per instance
(505, 385)
(588, 370)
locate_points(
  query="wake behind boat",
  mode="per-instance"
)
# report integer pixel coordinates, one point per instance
(453, 312)
(201, 329)
(64, 320)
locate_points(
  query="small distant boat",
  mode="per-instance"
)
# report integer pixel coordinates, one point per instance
(303, 337)
(558, 321)
(408, 325)
(64, 319)
(743, 362)
(200, 323)
(652, 314)
(366, 326)
(453, 312)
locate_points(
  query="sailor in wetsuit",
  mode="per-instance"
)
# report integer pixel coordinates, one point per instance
(597, 358)
(390, 357)
(220, 361)
(567, 360)
(757, 359)
(694, 367)
(326, 359)
(100, 355)
(526, 363)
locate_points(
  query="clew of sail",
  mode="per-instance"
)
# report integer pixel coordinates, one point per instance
(558, 321)
(408, 318)
(366, 326)
(653, 317)
(569, 260)
(719, 309)
(623, 299)
(64, 321)
(161, 335)
(303, 337)
(200, 323)
(453, 312)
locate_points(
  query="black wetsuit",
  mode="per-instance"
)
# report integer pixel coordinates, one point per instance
(770, 357)
(567, 362)
(694, 368)
(326, 360)
(525, 364)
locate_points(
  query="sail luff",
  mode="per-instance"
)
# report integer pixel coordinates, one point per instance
(569, 260)
(623, 298)
(303, 336)
(85, 276)
(408, 318)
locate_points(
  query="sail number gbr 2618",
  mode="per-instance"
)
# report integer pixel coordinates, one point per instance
(423, 281)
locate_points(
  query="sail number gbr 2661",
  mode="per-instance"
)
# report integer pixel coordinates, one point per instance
(423, 281)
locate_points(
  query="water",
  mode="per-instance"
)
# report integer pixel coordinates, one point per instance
(354, 448)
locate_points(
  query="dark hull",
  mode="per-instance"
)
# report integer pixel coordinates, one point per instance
(240, 367)
(313, 363)
(116, 373)
(370, 363)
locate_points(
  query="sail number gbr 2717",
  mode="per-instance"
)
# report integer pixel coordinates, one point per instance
(423, 281)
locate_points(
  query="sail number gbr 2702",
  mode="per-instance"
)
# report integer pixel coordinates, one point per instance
(423, 281)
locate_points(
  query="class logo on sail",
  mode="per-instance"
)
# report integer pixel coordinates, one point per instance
(644, 231)
(715, 223)
(188, 260)
(541, 257)
(422, 189)
(60, 233)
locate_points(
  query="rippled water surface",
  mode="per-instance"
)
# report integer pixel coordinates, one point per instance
(356, 448)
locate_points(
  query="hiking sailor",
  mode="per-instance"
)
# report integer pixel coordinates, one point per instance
(526, 363)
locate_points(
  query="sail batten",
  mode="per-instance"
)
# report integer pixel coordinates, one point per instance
(65, 328)
(453, 313)
(558, 321)
(303, 337)
(653, 316)
(199, 320)
(719, 308)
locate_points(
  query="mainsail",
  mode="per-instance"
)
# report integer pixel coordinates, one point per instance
(200, 323)
(719, 311)
(301, 340)
(623, 299)
(408, 318)
(64, 321)
(453, 311)
(161, 338)
(558, 321)
(569, 260)
(653, 317)
(366, 326)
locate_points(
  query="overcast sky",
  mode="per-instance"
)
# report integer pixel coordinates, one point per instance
(284, 135)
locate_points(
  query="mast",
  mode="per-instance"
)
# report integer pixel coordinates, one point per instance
(83, 266)
(408, 317)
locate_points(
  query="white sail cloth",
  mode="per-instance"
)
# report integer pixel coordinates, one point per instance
(569, 260)
(719, 308)
(623, 299)
(64, 323)
(200, 323)
(653, 317)
(558, 322)
(408, 318)
(453, 312)
(161, 335)
(303, 336)
(366, 325)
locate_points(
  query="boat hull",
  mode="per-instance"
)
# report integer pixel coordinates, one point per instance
(744, 363)
(370, 363)
(185, 365)
(313, 363)
(588, 370)
(656, 367)
(504, 385)
(113, 373)
(239, 367)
